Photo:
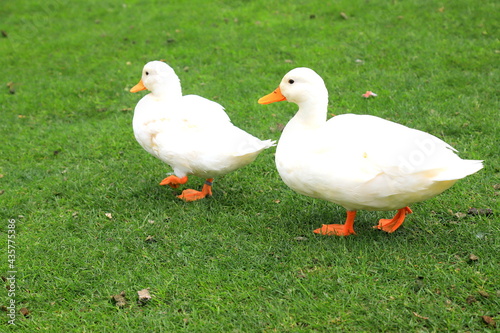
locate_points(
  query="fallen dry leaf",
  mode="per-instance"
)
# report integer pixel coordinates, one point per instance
(109, 216)
(344, 16)
(419, 316)
(12, 88)
(119, 299)
(471, 299)
(150, 239)
(144, 295)
(489, 321)
(473, 257)
(484, 293)
(5, 34)
(369, 94)
(481, 211)
(460, 215)
(25, 312)
(496, 186)
(301, 274)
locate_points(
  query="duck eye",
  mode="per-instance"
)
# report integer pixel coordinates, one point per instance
(147, 73)
(291, 81)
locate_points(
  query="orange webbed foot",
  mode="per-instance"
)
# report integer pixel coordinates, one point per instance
(193, 195)
(345, 229)
(174, 181)
(390, 225)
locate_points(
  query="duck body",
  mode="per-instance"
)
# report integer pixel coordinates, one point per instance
(360, 162)
(383, 165)
(192, 134)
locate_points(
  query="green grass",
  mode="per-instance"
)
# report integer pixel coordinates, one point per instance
(236, 262)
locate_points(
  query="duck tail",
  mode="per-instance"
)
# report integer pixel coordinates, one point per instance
(460, 170)
(255, 146)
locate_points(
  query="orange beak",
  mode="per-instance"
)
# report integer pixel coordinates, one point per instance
(138, 87)
(275, 96)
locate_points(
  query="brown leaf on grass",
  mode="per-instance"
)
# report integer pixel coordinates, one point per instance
(144, 295)
(484, 293)
(471, 299)
(344, 16)
(279, 127)
(480, 211)
(420, 316)
(489, 321)
(301, 274)
(25, 312)
(150, 239)
(12, 88)
(473, 257)
(108, 215)
(119, 299)
(460, 215)
(496, 186)
(3, 308)
(5, 34)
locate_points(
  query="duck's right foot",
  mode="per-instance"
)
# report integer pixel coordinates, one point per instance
(345, 229)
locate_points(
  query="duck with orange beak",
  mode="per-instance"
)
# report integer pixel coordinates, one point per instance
(360, 162)
(190, 133)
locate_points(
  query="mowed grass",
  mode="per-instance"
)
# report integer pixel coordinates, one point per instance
(85, 196)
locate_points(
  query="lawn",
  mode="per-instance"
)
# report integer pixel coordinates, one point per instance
(90, 220)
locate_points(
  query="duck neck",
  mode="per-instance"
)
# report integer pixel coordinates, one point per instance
(312, 112)
(167, 93)
(167, 89)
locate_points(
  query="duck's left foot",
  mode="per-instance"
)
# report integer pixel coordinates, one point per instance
(193, 195)
(174, 181)
(390, 225)
(345, 229)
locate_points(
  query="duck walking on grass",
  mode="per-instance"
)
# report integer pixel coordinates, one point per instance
(359, 161)
(190, 133)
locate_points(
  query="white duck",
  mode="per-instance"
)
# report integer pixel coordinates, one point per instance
(358, 161)
(190, 133)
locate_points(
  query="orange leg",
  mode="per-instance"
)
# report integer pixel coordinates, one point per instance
(193, 195)
(345, 229)
(174, 181)
(390, 225)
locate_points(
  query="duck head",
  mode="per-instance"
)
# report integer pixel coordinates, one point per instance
(300, 86)
(160, 79)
